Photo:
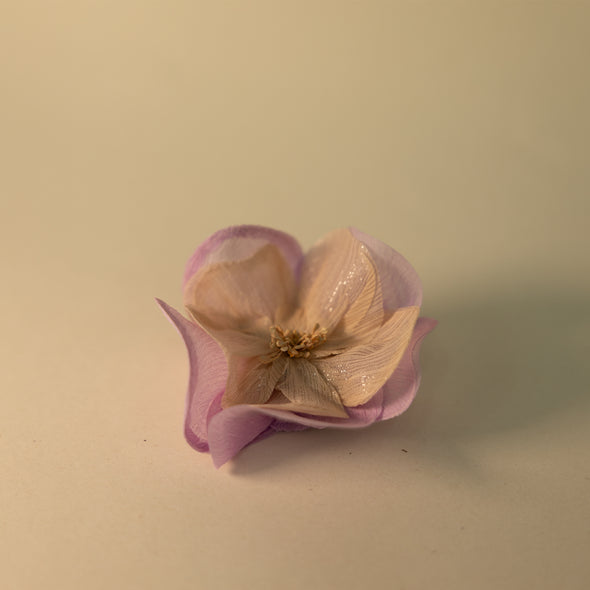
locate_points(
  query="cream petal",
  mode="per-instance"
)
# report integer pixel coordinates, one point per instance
(358, 373)
(361, 320)
(307, 391)
(237, 302)
(250, 381)
(251, 342)
(336, 273)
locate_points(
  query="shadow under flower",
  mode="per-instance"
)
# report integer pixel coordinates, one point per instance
(491, 366)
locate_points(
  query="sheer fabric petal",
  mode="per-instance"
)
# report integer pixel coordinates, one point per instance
(239, 242)
(400, 282)
(400, 390)
(234, 428)
(207, 377)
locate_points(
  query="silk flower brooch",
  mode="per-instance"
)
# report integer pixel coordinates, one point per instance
(282, 341)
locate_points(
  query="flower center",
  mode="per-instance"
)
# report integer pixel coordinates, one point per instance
(294, 343)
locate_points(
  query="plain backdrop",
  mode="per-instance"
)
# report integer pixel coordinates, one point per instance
(457, 132)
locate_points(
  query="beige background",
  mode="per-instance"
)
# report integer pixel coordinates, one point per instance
(455, 131)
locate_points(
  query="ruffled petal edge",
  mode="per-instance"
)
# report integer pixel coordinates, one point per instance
(238, 242)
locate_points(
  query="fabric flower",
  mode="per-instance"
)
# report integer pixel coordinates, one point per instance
(279, 341)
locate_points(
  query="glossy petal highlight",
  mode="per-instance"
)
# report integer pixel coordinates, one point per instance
(358, 373)
(335, 273)
(307, 391)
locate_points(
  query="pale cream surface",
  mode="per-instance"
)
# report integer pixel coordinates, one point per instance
(457, 132)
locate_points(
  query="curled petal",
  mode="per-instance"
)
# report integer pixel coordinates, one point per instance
(369, 412)
(234, 428)
(360, 372)
(207, 377)
(400, 282)
(400, 390)
(237, 302)
(358, 417)
(239, 242)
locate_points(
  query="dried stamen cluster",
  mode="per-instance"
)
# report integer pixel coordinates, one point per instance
(294, 343)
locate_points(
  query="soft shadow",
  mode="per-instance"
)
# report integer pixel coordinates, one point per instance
(493, 365)
(505, 363)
